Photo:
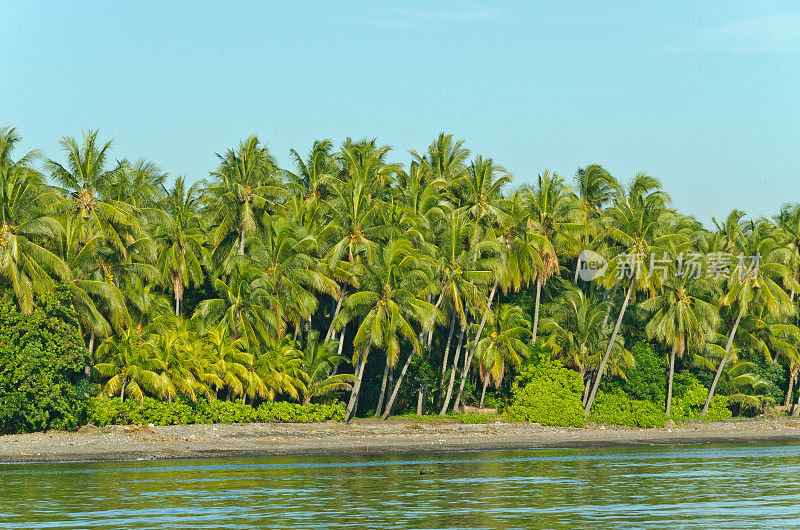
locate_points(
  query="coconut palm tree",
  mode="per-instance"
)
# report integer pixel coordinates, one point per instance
(574, 330)
(680, 319)
(87, 178)
(637, 228)
(319, 362)
(26, 263)
(756, 279)
(504, 347)
(182, 238)
(131, 365)
(390, 301)
(246, 184)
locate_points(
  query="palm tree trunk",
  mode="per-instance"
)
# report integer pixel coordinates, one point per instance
(453, 372)
(335, 314)
(483, 392)
(610, 304)
(796, 409)
(422, 397)
(577, 270)
(383, 388)
(177, 305)
(721, 365)
(606, 355)
(792, 379)
(536, 311)
(359, 372)
(444, 359)
(399, 382)
(669, 385)
(241, 243)
(587, 382)
(468, 359)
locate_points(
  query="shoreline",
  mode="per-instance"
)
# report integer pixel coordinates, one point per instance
(365, 437)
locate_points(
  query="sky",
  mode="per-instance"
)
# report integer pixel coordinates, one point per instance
(703, 95)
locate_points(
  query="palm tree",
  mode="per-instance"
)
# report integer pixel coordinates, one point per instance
(25, 263)
(389, 301)
(574, 330)
(292, 275)
(319, 362)
(595, 188)
(182, 238)
(246, 184)
(242, 306)
(100, 304)
(131, 366)
(505, 346)
(638, 228)
(87, 179)
(681, 319)
(757, 283)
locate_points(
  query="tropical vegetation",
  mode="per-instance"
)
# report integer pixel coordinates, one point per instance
(354, 281)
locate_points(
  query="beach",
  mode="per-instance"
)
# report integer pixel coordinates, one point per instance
(365, 437)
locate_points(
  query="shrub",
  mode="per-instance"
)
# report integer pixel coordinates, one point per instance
(647, 380)
(617, 408)
(690, 396)
(117, 412)
(42, 357)
(547, 393)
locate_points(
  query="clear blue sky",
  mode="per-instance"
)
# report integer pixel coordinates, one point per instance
(704, 95)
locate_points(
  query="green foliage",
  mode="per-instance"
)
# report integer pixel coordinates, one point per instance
(689, 397)
(133, 412)
(617, 408)
(647, 380)
(547, 393)
(41, 363)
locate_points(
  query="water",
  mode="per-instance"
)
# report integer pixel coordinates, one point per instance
(709, 486)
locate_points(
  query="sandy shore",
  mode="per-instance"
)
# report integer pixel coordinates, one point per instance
(363, 437)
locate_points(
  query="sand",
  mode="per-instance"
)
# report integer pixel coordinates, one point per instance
(364, 437)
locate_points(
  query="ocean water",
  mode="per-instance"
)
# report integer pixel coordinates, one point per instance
(698, 486)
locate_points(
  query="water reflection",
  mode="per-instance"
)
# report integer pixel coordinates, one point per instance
(689, 486)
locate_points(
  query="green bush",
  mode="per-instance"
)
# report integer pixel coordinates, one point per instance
(690, 396)
(547, 393)
(42, 357)
(617, 408)
(646, 381)
(133, 412)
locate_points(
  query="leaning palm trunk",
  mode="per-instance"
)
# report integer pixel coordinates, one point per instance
(796, 409)
(483, 392)
(669, 385)
(445, 358)
(359, 373)
(607, 354)
(721, 365)
(383, 388)
(335, 314)
(536, 311)
(577, 270)
(471, 353)
(453, 372)
(792, 379)
(399, 382)
(610, 304)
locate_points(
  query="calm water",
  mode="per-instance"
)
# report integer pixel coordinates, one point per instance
(666, 487)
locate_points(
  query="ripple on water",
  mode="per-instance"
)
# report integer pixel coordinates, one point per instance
(708, 486)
